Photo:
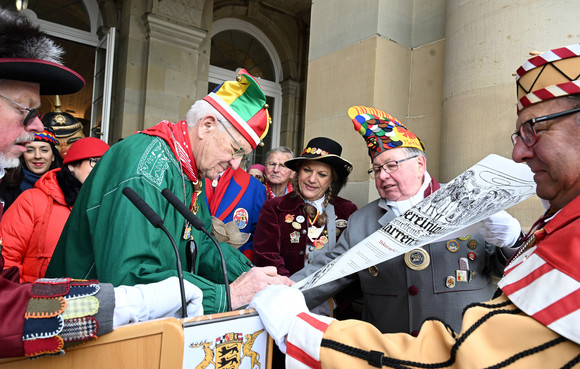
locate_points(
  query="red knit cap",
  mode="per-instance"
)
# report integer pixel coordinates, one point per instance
(85, 148)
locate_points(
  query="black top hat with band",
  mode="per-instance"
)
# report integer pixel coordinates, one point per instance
(28, 54)
(324, 150)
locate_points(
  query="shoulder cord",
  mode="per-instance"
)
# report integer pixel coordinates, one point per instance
(572, 362)
(378, 359)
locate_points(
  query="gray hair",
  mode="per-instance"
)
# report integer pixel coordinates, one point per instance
(200, 109)
(19, 38)
(410, 151)
(281, 149)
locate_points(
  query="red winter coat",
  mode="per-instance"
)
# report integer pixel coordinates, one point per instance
(31, 227)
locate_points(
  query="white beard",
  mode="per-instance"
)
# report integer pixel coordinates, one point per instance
(6, 162)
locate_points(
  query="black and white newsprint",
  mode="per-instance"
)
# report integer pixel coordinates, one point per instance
(493, 184)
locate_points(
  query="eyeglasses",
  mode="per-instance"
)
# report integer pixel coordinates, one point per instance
(239, 153)
(93, 161)
(272, 165)
(528, 133)
(32, 113)
(388, 167)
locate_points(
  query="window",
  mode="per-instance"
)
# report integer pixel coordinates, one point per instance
(238, 44)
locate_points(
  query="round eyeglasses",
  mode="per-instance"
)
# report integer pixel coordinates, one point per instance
(388, 167)
(93, 161)
(32, 113)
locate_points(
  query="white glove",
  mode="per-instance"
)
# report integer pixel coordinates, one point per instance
(278, 305)
(155, 300)
(500, 229)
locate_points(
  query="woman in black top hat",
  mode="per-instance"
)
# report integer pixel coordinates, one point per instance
(293, 228)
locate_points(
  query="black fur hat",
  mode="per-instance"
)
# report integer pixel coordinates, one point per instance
(28, 54)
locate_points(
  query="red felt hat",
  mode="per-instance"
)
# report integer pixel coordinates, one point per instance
(85, 148)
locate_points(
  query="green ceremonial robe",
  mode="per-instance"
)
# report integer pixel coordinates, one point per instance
(108, 239)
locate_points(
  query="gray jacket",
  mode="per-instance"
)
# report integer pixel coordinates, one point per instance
(399, 299)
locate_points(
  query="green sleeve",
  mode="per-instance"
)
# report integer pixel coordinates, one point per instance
(108, 239)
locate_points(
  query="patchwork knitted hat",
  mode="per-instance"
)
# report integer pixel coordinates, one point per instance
(28, 54)
(382, 131)
(552, 74)
(47, 136)
(243, 103)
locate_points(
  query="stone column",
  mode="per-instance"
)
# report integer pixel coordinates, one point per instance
(486, 41)
(363, 53)
(291, 135)
(172, 79)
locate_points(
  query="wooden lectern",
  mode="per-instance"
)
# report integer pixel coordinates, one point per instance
(156, 344)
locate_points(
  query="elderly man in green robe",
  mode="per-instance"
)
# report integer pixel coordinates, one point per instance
(107, 238)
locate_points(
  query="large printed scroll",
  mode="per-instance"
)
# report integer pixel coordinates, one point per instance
(493, 184)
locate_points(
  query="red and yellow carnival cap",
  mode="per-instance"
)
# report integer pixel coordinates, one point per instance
(243, 103)
(552, 74)
(382, 131)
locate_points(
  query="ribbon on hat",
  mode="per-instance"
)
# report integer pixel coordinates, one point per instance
(382, 131)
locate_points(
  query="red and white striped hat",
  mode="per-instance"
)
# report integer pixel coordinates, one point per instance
(552, 74)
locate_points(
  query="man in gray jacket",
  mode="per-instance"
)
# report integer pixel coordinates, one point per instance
(436, 281)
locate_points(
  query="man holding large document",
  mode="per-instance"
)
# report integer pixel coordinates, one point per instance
(534, 323)
(437, 280)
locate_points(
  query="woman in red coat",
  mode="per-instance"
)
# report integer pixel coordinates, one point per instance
(31, 227)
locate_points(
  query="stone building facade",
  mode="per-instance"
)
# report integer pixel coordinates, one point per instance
(444, 68)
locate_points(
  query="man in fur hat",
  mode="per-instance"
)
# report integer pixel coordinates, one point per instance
(534, 322)
(30, 65)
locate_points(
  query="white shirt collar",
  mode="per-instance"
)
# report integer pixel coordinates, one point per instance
(317, 203)
(400, 207)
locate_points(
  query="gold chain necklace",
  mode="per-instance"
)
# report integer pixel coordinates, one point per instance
(196, 191)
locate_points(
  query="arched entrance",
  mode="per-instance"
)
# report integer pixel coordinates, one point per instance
(238, 44)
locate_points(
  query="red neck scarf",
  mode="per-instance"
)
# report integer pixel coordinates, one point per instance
(177, 138)
(215, 195)
(270, 194)
(433, 186)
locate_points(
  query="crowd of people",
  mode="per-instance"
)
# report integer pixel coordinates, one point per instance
(63, 223)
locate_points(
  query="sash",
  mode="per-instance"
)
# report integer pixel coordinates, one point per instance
(215, 196)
